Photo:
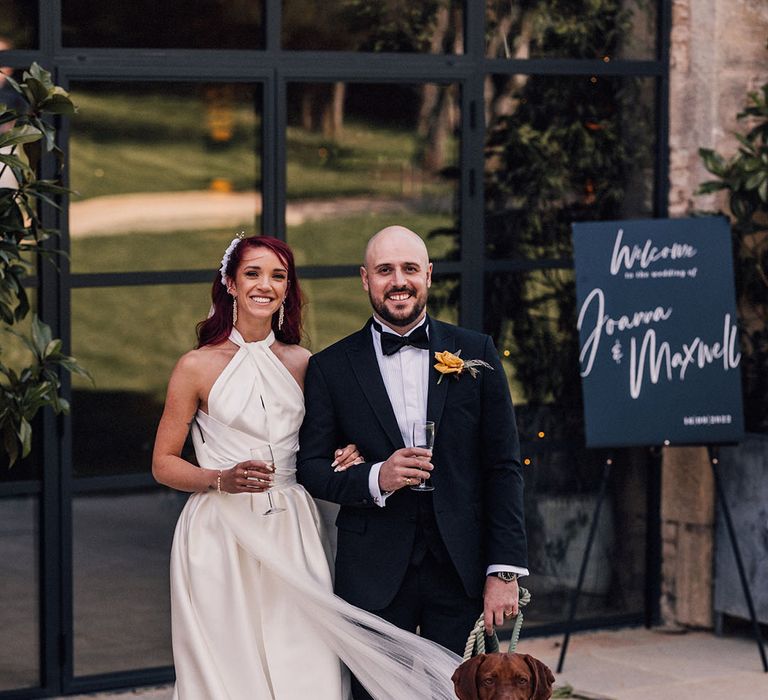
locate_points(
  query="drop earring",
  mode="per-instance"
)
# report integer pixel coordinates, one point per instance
(281, 316)
(234, 310)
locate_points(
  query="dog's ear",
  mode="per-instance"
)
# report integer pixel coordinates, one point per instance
(465, 678)
(542, 678)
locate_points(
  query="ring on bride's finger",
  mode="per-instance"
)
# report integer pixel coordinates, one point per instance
(245, 472)
(508, 613)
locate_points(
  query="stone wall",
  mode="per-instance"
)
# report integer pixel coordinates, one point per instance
(718, 54)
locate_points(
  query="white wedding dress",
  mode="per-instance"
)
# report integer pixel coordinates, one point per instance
(253, 612)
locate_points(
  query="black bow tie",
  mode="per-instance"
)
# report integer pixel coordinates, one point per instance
(393, 342)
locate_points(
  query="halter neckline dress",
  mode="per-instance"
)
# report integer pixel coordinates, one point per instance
(253, 610)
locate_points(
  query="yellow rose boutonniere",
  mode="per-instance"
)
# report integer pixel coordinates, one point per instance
(448, 363)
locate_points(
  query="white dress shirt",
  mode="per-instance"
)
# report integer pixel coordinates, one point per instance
(406, 379)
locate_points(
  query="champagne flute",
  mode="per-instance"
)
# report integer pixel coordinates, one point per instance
(423, 433)
(264, 454)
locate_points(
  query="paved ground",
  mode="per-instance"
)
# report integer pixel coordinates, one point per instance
(630, 664)
(639, 663)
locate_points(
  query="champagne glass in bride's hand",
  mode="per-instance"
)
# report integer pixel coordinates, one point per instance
(264, 454)
(424, 437)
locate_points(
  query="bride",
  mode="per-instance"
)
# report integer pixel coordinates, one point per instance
(253, 610)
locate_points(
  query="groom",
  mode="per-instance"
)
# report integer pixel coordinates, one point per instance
(433, 561)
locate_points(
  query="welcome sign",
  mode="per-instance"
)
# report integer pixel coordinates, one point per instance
(659, 349)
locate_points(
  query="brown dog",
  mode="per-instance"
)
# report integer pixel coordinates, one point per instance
(503, 677)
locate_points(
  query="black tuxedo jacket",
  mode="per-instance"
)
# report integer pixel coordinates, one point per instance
(478, 496)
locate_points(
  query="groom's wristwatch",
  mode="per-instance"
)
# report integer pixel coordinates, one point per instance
(506, 576)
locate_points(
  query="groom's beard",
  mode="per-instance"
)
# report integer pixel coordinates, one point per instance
(398, 320)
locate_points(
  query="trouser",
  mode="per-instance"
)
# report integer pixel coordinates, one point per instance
(433, 601)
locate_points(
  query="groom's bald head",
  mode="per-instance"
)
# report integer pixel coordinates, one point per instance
(396, 238)
(397, 274)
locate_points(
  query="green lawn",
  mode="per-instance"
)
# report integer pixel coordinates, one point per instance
(139, 141)
(129, 337)
(324, 242)
(131, 142)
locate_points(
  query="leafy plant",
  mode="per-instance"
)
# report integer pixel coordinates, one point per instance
(25, 135)
(559, 149)
(744, 178)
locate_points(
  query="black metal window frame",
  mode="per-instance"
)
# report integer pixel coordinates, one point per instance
(274, 68)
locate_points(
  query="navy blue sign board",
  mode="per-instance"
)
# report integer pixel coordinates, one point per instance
(658, 340)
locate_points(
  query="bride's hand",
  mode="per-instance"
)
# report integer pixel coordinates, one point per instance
(345, 457)
(251, 476)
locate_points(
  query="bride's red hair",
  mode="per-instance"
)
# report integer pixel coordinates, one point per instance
(217, 327)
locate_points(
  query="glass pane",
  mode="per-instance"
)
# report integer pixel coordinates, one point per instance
(166, 173)
(19, 593)
(561, 489)
(121, 546)
(129, 338)
(564, 149)
(337, 307)
(374, 25)
(171, 24)
(11, 101)
(16, 356)
(532, 319)
(364, 156)
(18, 25)
(603, 29)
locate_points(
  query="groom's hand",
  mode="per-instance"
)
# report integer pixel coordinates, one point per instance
(405, 468)
(500, 600)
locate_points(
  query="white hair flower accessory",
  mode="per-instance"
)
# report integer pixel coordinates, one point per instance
(227, 254)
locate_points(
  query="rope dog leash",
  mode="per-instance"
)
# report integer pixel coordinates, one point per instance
(476, 640)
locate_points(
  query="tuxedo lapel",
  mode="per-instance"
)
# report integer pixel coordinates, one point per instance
(362, 358)
(440, 338)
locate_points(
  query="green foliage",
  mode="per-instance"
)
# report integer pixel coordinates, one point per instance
(369, 25)
(744, 179)
(24, 391)
(559, 149)
(573, 28)
(565, 154)
(400, 25)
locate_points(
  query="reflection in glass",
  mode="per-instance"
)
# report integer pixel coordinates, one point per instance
(121, 549)
(401, 26)
(337, 307)
(532, 319)
(598, 29)
(129, 338)
(18, 25)
(17, 356)
(363, 156)
(561, 149)
(561, 488)
(19, 593)
(171, 24)
(165, 173)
